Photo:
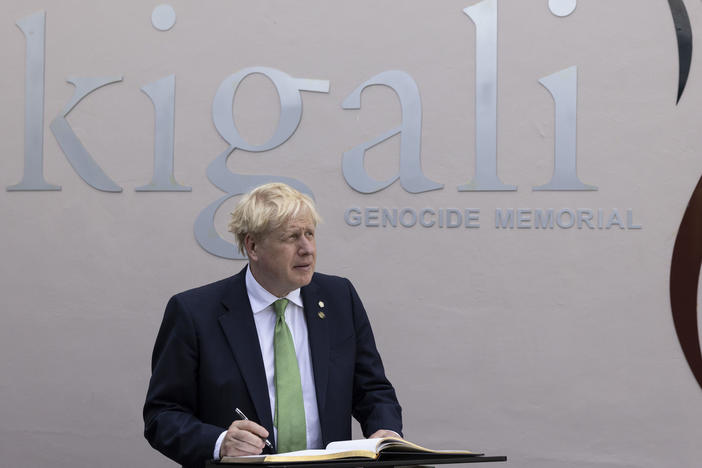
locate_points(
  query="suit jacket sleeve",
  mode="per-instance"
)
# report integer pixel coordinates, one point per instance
(172, 398)
(374, 403)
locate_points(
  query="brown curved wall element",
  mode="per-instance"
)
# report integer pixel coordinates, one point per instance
(683, 32)
(684, 278)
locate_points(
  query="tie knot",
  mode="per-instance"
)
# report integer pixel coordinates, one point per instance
(279, 307)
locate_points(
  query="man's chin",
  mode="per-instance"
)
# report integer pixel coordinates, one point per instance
(304, 276)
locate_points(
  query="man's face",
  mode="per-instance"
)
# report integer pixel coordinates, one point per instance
(284, 259)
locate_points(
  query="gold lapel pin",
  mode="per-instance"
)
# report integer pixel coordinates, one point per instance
(320, 304)
(321, 314)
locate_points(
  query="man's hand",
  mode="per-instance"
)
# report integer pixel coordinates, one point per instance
(243, 438)
(384, 433)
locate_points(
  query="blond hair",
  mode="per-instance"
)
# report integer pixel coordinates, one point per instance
(266, 208)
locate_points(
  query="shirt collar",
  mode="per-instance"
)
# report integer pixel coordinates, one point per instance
(260, 298)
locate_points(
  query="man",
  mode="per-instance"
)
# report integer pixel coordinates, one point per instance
(291, 348)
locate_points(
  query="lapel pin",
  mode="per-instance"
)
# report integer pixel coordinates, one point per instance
(321, 314)
(320, 303)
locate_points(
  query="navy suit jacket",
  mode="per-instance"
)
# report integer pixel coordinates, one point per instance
(207, 361)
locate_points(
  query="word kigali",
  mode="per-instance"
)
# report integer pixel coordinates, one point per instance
(562, 86)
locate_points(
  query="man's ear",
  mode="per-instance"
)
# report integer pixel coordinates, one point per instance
(250, 245)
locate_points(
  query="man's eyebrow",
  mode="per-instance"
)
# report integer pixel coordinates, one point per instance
(288, 231)
(294, 229)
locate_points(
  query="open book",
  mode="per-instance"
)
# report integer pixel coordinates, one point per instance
(348, 449)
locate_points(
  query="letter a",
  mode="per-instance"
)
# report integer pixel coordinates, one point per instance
(411, 177)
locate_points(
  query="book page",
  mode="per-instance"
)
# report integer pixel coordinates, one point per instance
(303, 456)
(378, 445)
(402, 445)
(370, 445)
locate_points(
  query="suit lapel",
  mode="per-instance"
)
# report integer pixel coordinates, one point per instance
(318, 333)
(239, 327)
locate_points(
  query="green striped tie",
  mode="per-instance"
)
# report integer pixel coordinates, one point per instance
(289, 416)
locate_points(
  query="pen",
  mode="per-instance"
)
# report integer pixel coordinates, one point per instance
(240, 414)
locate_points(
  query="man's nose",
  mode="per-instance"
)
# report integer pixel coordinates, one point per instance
(305, 246)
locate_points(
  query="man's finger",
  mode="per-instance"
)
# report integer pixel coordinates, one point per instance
(246, 447)
(384, 433)
(235, 450)
(250, 426)
(248, 438)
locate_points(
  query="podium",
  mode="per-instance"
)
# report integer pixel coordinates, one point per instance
(396, 460)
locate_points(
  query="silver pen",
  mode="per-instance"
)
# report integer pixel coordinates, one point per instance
(240, 414)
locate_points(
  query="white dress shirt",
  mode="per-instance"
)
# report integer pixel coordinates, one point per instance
(265, 317)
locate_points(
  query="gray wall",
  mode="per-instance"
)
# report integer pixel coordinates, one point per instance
(554, 347)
